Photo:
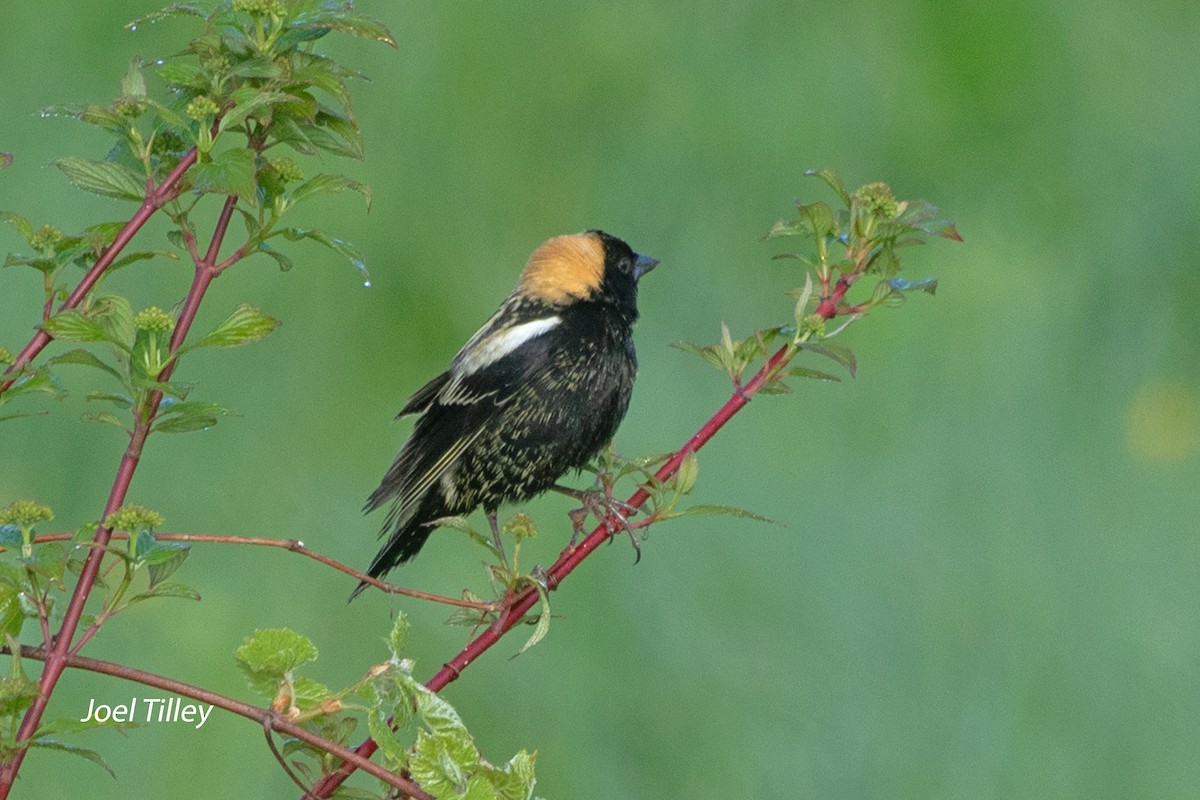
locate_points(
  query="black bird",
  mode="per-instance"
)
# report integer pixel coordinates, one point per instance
(537, 391)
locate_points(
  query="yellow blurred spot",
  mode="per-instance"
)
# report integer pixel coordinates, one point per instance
(1163, 423)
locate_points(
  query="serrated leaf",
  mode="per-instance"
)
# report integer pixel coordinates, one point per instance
(75, 750)
(134, 83)
(460, 524)
(229, 172)
(71, 326)
(327, 184)
(87, 359)
(398, 637)
(103, 177)
(12, 615)
(167, 589)
(143, 255)
(346, 22)
(188, 415)
(340, 246)
(104, 417)
(283, 261)
(271, 653)
(840, 354)
(927, 285)
(249, 100)
(395, 752)
(121, 401)
(805, 372)
(711, 509)
(542, 626)
(688, 472)
(113, 313)
(819, 217)
(24, 226)
(833, 181)
(173, 10)
(181, 73)
(246, 324)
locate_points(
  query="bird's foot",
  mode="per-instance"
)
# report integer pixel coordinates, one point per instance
(612, 513)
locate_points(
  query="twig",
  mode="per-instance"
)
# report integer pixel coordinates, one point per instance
(293, 546)
(156, 196)
(269, 719)
(56, 661)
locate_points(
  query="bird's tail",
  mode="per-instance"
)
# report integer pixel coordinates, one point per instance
(407, 529)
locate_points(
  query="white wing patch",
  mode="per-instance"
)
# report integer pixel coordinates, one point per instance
(490, 349)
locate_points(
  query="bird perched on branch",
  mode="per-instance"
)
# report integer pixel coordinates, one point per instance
(537, 391)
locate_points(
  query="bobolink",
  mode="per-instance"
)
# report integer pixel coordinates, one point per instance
(537, 391)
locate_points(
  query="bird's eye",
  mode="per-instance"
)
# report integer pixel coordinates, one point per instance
(625, 265)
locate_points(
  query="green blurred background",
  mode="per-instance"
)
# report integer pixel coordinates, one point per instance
(988, 584)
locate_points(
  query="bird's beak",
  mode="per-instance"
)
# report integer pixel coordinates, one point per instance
(643, 265)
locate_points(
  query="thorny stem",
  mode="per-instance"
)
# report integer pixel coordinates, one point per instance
(267, 718)
(156, 196)
(569, 559)
(293, 546)
(56, 658)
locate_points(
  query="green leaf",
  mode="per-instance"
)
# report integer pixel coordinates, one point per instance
(819, 217)
(515, 780)
(394, 750)
(173, 10)
(460, 524)
(121, 401)
(326, 184)
(105, 417)
(398, 637)
(689, 470)
(24, 226)
(352, 253)
(87, 359)
(346, 22)
(283, 261)
(82, 752)
(833, 181)
(927, 285)
(249, 100)
(188, 415)
(270, 654)
(103, 177)
(115, 315)
(71, 326)
(840, 354)
(134, 83)
(12, 616)
(542, 626)
(805, 372)
(246, 324)
(167, 589)
(724, 511)
(181, 73)
(230, 172)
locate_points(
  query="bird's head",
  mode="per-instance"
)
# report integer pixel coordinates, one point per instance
(589, 266)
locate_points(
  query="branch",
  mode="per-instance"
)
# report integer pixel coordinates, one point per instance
(265, 717)
(292, 546)
(56, 661)
(156, 196)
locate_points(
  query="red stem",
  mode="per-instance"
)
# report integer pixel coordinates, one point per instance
(269, 719)
(155, 197)
(56, 659)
